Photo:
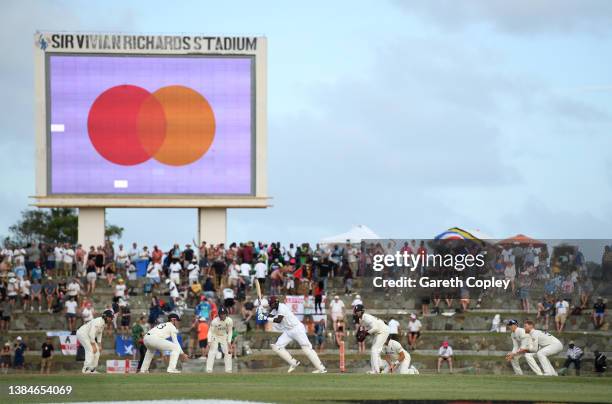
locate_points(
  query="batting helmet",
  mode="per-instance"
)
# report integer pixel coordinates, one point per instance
(358, 308)
(273, 302)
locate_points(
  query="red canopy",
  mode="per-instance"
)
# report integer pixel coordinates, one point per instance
(521, 239)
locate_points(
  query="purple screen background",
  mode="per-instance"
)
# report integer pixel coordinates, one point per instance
(77, 168)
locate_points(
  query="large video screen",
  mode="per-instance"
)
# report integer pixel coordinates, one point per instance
(148, 125)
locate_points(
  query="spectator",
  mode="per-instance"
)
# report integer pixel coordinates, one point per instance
(414, 331)
(320, 335)
(348, 278)
(445, 354)
(154, 311)
(574, 355)
(139, 330)
(12, 290)
(19, 359)
(336, 308)
(545, 310)
(5, 357)
(125, 315)
(600, 363)
(36, 295)
(194, 272)
(70, 310)
(464, 298)
(599, 313)
(87, 312)
(203, 309)
(229, 299)
(175, 271)
(203, 338)
(154, 273)
(361, 344)
(585, 286)
(561, 308)
(245, 273)
(121, 259)
(7, 311)
(91, 272)
(261, 272)
(25, 287)
(394, 329)
(340, 331)
(318, 297)
(120, 290)
(73, 289)
(68, 260)
(46, 356)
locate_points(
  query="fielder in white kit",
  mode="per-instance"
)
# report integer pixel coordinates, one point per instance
(155, 340)
(90, 337)
(544, 345)
(220, 334)
(293, 330)
(398, 359)
(376, 328)
(521, 344)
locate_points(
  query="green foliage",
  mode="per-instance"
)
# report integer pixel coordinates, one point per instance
(56, 225)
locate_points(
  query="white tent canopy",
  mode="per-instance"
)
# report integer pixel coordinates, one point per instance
(354, 235)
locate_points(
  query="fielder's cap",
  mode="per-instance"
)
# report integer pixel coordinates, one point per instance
(174, 316)
(18, 338)
(511, 322)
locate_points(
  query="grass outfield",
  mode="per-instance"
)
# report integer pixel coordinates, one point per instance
(301, 388)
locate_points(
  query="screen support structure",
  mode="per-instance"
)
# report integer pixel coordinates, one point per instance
(212, 225)
(91, 228)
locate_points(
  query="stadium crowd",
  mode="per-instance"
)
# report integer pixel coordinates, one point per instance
(61, 278)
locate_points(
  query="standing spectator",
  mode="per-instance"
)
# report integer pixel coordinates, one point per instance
(229, 299)
(19, 359)
(336, 308)
(50, 289)
(139, 330)
(154, 311)
(194, 272)
(121, 260)
(134, 253)
(203, 338)
(600, 363)
(193, 338)
(46, 356)
(261, 272)
(120, 290)
(7, 311)
(91, 274)
(574, 355)
(175, 271)
(394, 329)
(58, 255)
(80, 261)
(320, 335)
(348, 279)
(73, 289)
(126, 316)
(68, 258)
(203, 309)
(245, 273)
(25, 290)
(87, 312)
(414, 331)
(599, 313)
(318, 296)
(5, 357)
(561, 307)
(445, 354)
(70, 309)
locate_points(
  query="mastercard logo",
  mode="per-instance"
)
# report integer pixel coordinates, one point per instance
(129, 125)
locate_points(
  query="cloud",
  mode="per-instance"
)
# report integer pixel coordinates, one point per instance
(521, 17)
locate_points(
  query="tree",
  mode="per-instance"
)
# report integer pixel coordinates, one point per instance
(56, 225)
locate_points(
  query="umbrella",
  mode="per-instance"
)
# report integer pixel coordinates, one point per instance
(521, 239)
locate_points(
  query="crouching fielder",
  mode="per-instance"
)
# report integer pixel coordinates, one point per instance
(544, 345)
(90, 337)
(376, 328)
(293, 330)
(155, 340)
(398, 359)
(220, 334)
(521, 344)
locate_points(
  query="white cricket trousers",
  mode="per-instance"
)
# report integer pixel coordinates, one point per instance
(379, 341)
(529, 358)
(212, 353)
(159, 344)
(91, 358)
(544, 353)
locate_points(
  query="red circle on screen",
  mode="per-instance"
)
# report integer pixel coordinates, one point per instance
(126, 125)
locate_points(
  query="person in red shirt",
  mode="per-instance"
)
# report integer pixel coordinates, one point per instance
(157, 255)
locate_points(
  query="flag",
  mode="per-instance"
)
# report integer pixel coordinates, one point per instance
(123, 345)
(69, 344)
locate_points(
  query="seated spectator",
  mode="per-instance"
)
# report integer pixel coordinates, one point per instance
(36, 295)
(445, 354)
(414, 331)
(574, 355)
(561, 308)
(585, 286)
(209, 288)
(600, 363)
(545, 310)
(599, 313)
(464, 294)
(228, 299)
(394, 329)
(247, 311)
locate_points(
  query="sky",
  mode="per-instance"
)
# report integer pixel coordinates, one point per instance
(407, 116)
